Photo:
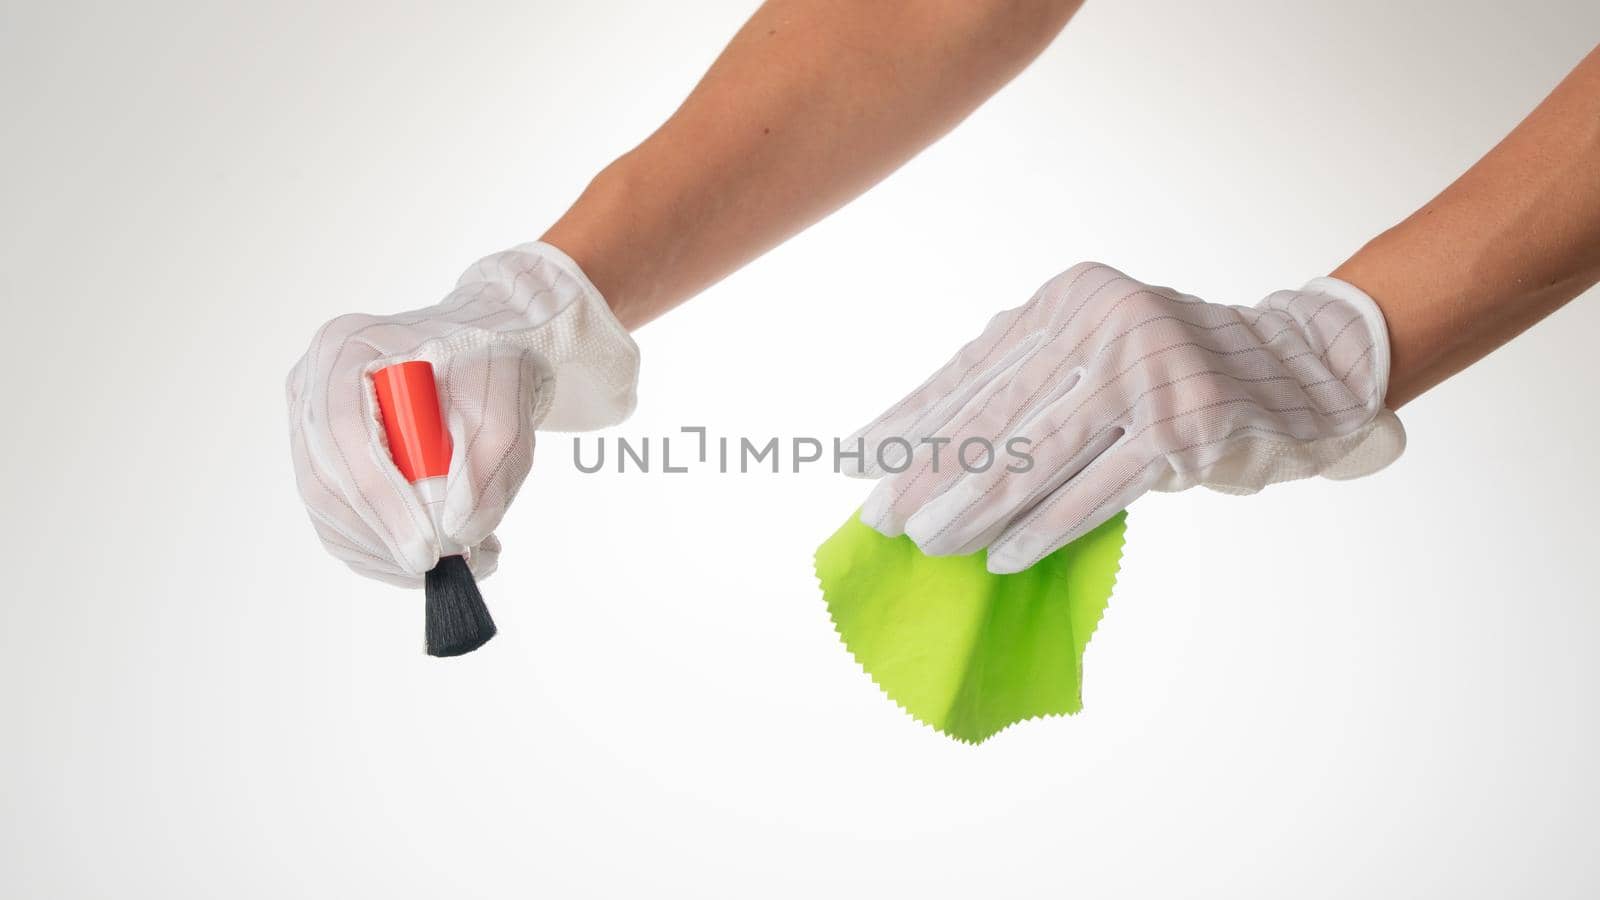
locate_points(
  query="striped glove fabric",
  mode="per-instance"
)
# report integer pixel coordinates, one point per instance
(523, 342)
(1100, 388)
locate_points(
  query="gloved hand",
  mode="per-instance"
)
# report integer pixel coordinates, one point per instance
(524, 341)
(1101, 388)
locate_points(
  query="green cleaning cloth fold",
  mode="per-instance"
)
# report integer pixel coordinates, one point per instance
(963, 650)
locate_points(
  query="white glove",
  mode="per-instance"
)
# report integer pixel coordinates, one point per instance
(1115, 388)
(524, 340)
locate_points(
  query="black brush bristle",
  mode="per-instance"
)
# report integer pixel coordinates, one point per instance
(458, 622)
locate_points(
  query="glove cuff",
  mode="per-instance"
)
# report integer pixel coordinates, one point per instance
(570, 270)
(1380, 441)
(1363, 303)
(594, 360)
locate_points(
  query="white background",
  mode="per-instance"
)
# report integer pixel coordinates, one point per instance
(1379, 688)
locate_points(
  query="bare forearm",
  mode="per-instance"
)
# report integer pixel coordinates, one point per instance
(1508, 243)
(812, 102)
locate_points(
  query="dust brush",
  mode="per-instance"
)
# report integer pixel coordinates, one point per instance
(408, 402)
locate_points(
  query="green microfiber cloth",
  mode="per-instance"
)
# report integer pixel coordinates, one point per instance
(958, 648)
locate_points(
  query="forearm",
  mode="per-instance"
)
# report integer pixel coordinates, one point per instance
(1508, 243)
(812, 102)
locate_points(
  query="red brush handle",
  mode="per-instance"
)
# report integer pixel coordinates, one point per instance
(408, 401)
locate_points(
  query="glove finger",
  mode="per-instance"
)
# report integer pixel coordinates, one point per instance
(886, 444)
(495, 395)
(484, 559)
(976, 438)
(341, 528)
(1004, 341)
(1062, 441)
(344, 440)
(1112, 481)
(386, 575)
(1010, 338)
(354, 554)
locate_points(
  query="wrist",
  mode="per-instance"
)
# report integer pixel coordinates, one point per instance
(607, 235)
(1384, 270)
